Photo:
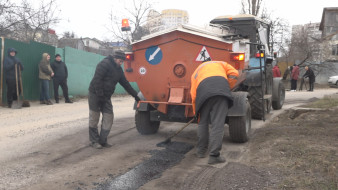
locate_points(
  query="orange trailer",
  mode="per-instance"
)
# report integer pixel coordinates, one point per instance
(162, 63)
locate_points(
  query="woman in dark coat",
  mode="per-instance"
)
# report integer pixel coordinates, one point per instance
(309, 73)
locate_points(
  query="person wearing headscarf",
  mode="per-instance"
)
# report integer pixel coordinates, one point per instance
(45, 74)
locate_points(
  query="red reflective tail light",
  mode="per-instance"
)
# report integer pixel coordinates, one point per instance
(237, 56)
(259, 55)
(237, 60)
(129, 56)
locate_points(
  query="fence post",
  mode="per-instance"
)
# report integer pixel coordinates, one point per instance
(2, 67)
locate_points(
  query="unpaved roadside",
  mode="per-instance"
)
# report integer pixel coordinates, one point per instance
(272, 159)
(46, 147)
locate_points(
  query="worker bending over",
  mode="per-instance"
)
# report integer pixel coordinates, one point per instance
(211, 98)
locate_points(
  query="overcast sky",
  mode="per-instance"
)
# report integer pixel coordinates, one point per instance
(91, 18)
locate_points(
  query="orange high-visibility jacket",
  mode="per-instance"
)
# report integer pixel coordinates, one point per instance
(212, 78)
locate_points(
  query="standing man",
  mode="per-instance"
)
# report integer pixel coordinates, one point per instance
(294, 77)
(107, 74)
(309, 73)
(60, 78)
(211, 98)
(10, 63)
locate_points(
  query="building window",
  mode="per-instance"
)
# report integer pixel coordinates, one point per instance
(335, 49)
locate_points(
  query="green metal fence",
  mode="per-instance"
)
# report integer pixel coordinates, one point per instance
(81, 68)
(30, 55)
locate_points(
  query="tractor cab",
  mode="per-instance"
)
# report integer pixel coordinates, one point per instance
(252, 28)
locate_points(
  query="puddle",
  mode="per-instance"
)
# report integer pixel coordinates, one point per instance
(150, 169)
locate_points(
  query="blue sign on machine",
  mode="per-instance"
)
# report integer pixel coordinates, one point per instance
(154, 55)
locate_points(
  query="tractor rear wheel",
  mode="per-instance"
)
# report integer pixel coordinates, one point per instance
(278, 103)
(240, 126)
(256, 102)
(143, 124)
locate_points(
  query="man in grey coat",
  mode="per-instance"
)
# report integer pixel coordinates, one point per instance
(107, 74)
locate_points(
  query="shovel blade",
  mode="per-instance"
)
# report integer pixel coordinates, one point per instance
(17, 104)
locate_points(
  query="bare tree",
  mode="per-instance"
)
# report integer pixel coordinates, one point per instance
(25, 22)
(311, 51)
(38, 19)
(136, 15)
(8, 18)
(279, 27)
(279, 32)
(301, 48)
(251, 6)
(68, 34)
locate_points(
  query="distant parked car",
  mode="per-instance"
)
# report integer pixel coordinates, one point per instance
(333, 81)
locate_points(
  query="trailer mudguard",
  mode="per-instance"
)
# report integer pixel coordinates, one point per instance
(143, 106)
(275, 88)
(253, 78)
(239, 106)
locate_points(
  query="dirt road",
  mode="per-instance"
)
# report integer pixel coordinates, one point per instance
(46, 147)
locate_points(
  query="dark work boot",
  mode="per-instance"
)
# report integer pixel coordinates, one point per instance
(68, 101)
(9, 104)
(106, 145)
(48, 102)
(56, 101)
(216, 160)
(96, 145)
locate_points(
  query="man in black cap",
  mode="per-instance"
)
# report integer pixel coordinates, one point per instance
(10, 63)
(107, 74)
(60, 78)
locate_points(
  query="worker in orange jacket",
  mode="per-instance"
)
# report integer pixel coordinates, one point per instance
(211, 85)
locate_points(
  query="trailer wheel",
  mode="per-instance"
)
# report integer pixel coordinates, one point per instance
(240, 127)
(143, 124)
(278, 104)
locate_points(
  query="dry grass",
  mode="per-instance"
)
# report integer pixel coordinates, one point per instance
(304, 150)
(326, 102)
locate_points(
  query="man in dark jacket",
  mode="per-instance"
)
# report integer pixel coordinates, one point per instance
(107, 74)
(10, 63)
(60, 78)
(294, 77)
(309, 73)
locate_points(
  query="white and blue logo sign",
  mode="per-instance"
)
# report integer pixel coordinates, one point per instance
(154, 55)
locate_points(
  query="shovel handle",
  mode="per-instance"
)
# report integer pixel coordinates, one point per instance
(16, 81)
(186, 125)
(21, 87)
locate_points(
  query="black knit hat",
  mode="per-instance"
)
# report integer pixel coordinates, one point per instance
(57, 55)
(118, 54)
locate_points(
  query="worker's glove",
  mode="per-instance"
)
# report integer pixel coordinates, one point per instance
(137, 99)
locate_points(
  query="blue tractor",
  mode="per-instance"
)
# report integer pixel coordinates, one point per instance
(264, 90)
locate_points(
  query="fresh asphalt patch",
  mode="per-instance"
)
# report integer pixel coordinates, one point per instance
(150, 169)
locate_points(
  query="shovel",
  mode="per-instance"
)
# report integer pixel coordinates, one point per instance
(17, 104)
(25, 103)
(168, 140)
